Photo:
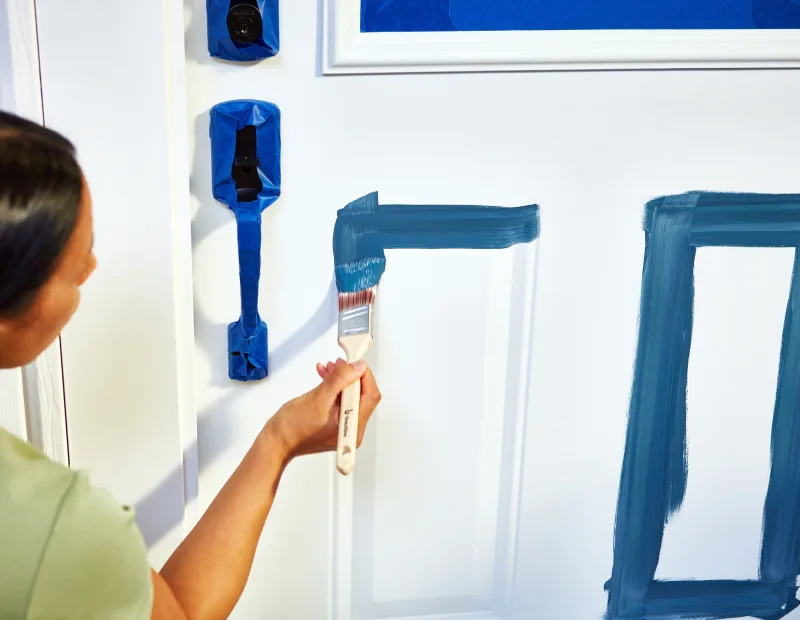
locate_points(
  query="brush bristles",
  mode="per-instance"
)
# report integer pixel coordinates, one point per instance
(348, 301)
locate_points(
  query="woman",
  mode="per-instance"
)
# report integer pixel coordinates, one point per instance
(67, 550)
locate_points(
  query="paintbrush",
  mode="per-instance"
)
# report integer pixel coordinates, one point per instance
(355, 337)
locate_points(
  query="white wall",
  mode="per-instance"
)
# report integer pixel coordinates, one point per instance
(590, 148)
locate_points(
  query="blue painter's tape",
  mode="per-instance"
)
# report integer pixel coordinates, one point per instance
(226, 119)
(364, 229)
(654, 468)
(500, 15)
(220, 43)
(247, 337)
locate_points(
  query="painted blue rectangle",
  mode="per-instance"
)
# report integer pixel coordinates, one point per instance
(498, 15)
(655, 465)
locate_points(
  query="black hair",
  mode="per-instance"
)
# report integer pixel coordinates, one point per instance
(40, 194)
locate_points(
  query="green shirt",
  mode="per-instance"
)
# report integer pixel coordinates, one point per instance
(68, 551)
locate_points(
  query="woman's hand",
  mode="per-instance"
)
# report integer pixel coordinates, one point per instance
(310, 423)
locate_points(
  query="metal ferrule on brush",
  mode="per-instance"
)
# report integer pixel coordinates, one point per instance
(355, 312)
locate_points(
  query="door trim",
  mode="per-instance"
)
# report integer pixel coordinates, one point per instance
(130, 402)
(347, 50)
(37, 68)
(34, 405)
(182, 251)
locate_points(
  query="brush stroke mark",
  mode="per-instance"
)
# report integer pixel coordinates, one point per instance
(654, 468)
(364, 229)
(780, 545)
(501, 15)
(247, 337)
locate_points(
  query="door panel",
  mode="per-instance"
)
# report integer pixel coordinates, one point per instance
(453, 332)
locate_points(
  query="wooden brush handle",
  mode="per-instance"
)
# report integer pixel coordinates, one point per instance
(348, 429)
(355, 347)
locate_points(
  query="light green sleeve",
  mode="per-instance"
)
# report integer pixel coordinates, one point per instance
(94, 566)
(68, 551)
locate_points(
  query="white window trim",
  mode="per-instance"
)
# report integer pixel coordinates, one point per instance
(346, 50)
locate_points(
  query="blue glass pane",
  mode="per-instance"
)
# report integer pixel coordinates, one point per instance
(471, 15)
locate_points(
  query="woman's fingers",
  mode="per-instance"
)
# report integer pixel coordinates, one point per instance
(370, 397)
(323, 370)
(343, 374)
(370, 394)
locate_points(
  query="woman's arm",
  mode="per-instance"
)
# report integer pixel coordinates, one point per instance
(206, 575)
(208, 571)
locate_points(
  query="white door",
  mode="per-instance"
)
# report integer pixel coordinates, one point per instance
(486, 487)
(487, 484)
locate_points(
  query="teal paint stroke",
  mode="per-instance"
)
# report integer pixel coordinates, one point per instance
(739, 220)
(365, 228)
(655, 467)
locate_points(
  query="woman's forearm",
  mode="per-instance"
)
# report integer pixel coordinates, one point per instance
(206, 575)
(208, 571)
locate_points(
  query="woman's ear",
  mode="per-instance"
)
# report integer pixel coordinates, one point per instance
(8, 325)
(7, 347)
(13, 323)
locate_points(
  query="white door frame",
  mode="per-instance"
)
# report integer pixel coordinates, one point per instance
(31, 398)
(138, 441)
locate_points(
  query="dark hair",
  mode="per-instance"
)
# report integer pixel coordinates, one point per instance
(40, 194)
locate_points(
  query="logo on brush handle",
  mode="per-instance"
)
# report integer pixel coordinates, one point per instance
(346, 421)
